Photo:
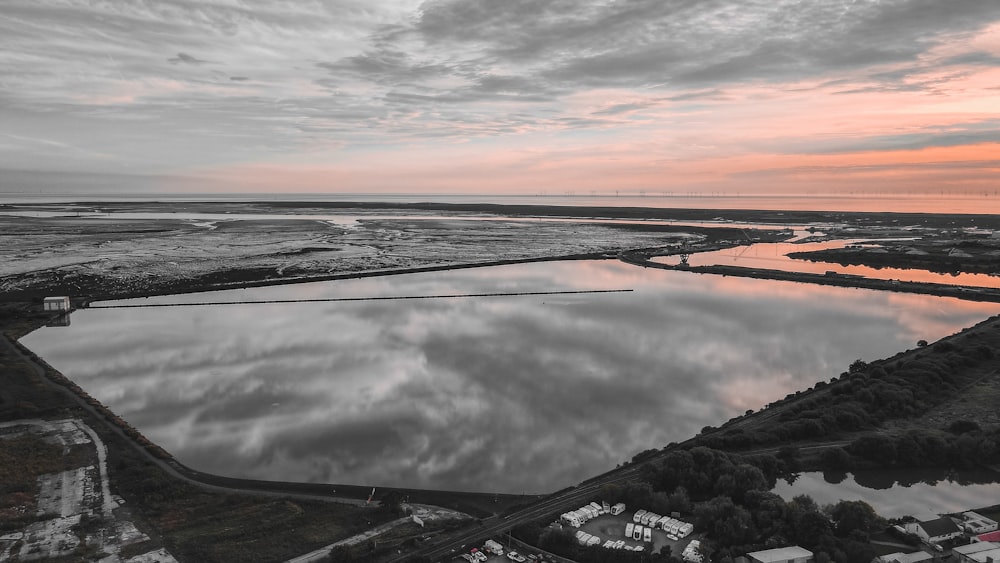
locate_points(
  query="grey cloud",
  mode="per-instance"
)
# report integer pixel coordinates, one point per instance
(623, 108)
(978, 58)
(465, 52)
(954, 135)
(684, 42)
(185, 59)
(454, 68)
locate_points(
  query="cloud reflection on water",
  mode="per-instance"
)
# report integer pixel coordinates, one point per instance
(508, 394)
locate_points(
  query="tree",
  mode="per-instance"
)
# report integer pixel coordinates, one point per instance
(963, 426)
(559, 540)
(392, 502)
(835, 458)
(725, 522)
(679, 501)
(851, 516)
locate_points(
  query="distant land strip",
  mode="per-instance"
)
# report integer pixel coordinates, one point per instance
(342, 299)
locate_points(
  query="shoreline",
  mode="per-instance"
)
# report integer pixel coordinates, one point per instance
(967, 293)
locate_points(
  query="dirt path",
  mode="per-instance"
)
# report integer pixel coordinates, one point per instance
(422, 511)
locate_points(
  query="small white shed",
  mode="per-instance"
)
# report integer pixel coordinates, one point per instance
(56, 303)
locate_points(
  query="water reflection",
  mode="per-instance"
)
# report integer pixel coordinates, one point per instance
(508, 394)
(899, 492)
(773, 256)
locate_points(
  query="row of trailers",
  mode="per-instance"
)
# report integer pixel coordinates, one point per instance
(583, 538)
(675, 529)
(580, 516)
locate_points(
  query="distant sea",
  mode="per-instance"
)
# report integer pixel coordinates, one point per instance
(897, 203)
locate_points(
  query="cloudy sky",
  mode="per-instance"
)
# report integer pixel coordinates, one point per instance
(500, 96)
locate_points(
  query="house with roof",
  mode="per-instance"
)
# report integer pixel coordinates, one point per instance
(790, 554)
(935, 530)
(975, 523)
(979, 552)
(900, 557)
(56, 303)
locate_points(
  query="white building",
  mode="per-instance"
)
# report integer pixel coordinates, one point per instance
(937, 530)
(56, 303)
(976, 524)
(979, 552)
(791, 554)
(900, 557)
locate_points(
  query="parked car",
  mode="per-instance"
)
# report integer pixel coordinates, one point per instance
(515, 556)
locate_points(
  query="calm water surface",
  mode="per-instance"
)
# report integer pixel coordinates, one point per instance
(896, 493)
(505, 394)
(959, 203)
(773, 256)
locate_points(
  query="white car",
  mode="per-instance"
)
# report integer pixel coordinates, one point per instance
(515, 556)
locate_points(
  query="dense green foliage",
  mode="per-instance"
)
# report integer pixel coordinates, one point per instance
(727, 496)
(868, 394)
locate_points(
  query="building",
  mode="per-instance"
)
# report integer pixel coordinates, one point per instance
(899, 557)
(977, 524)
(989, 536)
(937, 530)
(979, 552)
(791, 554)
(56, 303)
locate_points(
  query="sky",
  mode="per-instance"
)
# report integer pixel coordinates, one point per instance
(500, 96)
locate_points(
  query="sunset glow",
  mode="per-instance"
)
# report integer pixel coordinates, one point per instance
(473, 96)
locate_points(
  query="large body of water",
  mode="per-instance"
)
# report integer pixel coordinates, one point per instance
(504, 394)
(979, 203)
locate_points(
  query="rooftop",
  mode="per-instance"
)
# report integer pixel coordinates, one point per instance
(780, 554)
(940, 527)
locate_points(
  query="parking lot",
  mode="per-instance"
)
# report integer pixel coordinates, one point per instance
(606, 527)
(613, 527)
